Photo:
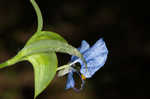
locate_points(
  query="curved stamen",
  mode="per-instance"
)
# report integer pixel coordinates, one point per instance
(68, 65)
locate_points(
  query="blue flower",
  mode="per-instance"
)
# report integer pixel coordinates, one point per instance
(95, 58)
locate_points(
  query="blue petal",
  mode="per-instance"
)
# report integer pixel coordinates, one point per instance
(93, 65)
(99, 48)
(84, 46)
(95, 57)
(70, 81)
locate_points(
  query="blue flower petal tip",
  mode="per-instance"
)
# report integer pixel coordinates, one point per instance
(84, 46)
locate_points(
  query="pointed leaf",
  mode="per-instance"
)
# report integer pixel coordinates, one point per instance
(45, 65)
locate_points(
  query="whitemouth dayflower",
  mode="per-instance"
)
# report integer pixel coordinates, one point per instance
(95, 58)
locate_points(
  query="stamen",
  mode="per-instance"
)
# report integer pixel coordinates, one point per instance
(74, 62)
(68, 65)
(83, 77)
(63, 67)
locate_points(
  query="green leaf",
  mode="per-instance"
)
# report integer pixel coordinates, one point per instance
(45, 65)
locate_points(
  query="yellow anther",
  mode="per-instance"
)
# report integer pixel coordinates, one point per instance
(83, 77)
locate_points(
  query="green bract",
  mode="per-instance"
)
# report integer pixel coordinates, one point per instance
(40, 51)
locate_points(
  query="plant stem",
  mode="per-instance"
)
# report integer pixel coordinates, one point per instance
(39, 15)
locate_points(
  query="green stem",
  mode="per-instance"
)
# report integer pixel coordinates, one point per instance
(39, 15)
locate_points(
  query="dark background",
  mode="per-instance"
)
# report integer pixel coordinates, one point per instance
(124, 26)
